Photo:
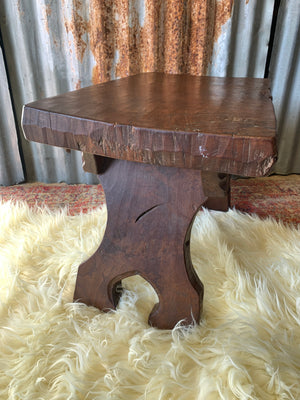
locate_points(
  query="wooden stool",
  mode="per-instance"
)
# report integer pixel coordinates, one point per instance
(162, 146)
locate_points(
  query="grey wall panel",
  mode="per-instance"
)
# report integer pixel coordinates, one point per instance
(241, 49)
(285, 75)
(11, 171)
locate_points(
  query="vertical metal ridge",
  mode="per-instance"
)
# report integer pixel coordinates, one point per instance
(285, 77)
(11, 170)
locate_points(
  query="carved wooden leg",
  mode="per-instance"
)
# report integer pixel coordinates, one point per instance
(150, 213)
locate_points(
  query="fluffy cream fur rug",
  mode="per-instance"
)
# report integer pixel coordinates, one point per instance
(247, 345)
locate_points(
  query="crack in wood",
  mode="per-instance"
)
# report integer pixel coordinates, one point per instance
(147, 211)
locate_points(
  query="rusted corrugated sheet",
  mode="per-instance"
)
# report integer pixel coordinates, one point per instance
(56, 46)
(11, 171)
(285, 74)
(126, 37)
(41, 64)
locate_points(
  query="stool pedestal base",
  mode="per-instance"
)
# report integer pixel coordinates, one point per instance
(150, 214)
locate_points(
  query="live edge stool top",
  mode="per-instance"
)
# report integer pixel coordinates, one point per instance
(208, 123)
(162, 146)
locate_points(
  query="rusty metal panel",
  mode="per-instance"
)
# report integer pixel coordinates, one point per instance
(11, 170)
(285, 74)
(242, 45)
(56, 46)
(40, 66)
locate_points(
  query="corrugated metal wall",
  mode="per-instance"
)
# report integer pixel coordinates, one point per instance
(285, 75)
(11, 170)
(55, 46)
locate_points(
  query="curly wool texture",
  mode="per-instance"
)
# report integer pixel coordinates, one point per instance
(247, 345)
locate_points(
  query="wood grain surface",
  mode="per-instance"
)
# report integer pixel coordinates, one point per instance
(214, 124)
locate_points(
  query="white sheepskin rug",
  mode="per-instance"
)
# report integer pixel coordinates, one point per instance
(247, 345)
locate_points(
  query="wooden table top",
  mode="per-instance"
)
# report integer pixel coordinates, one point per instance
(219, 124)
